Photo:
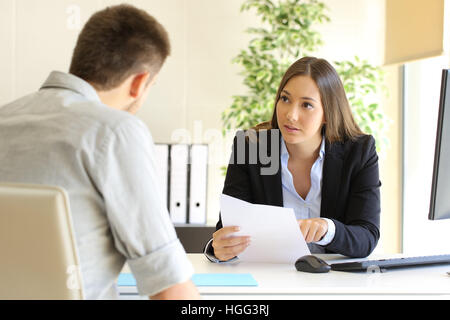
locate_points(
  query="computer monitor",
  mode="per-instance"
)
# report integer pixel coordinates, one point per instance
(440, 190)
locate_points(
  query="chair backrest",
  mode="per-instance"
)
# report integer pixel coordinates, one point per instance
(38, 254)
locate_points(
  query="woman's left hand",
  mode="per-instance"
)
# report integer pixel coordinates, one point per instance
(313, 229)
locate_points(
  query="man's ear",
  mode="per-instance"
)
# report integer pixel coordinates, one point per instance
(138, 84)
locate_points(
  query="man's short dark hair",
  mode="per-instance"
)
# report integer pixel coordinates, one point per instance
(117, 42)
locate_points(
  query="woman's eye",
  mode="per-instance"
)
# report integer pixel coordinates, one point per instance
(284, 98)
(307, 105)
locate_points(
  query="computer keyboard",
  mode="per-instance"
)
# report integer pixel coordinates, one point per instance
(379, 265)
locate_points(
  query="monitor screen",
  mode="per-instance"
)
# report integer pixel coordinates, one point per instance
(440, 190)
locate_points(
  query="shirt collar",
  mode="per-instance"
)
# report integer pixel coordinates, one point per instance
(285, 153)
(322, 148)
(58, 79)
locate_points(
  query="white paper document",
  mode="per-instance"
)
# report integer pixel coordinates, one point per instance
(274, 232)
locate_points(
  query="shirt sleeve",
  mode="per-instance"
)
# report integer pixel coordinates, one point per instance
(329, 236)
(138, 217)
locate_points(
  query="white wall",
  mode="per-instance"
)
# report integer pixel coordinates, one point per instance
(198, 80)
(357, 28)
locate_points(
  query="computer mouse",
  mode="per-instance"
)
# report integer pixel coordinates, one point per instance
(312, 264)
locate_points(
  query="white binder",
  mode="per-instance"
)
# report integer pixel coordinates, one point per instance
(198, 183)
(178, 182)
(162, 167)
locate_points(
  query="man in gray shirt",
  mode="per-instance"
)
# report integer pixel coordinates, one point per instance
(79, 132)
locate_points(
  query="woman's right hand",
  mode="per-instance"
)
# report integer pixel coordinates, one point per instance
(227, 246)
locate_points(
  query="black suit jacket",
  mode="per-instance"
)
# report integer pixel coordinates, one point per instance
(350, 189)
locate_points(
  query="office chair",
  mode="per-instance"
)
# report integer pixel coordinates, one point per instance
(38, 254)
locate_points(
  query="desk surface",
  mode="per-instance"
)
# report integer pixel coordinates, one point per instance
(283, 281)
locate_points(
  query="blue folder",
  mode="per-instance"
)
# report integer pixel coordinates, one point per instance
(204, 279)
(126, 280)
(224, 280)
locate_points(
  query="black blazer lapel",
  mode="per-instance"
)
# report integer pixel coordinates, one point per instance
(331, 175)
(273, 191)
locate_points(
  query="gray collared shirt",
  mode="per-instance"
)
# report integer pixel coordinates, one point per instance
(104, 158)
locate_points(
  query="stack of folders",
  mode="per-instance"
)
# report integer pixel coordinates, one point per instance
(183, 171)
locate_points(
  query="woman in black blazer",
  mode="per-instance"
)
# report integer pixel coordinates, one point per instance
(312, 122)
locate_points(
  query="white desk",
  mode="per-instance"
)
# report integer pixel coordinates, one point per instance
(283, 281)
